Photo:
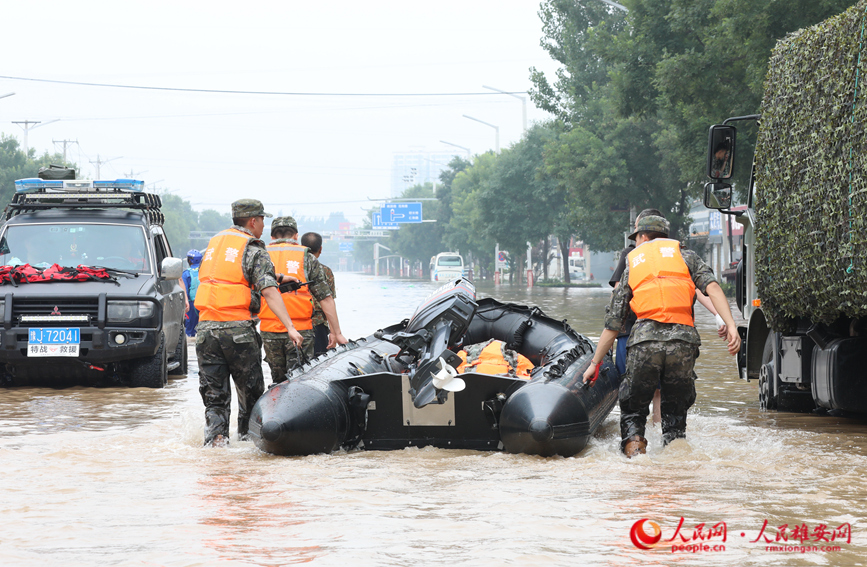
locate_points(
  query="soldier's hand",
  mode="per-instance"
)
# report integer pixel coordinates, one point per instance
(296, 337)
(338, 339)
(734, 341)
(588, 374)
(592, 373)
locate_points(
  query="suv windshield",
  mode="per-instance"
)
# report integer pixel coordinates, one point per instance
(122, 247)
(450, 261)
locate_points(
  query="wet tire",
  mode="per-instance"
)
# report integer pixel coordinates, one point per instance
(767, 376)
(180, 355)
(152, 371)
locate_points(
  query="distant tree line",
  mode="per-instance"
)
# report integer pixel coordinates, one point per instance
(631, 104)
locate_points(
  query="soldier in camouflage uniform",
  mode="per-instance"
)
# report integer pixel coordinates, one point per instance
(313, 241)
(663, 344)
(228, 297)
(280, 353)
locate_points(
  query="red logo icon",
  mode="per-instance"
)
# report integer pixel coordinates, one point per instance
(645, 533)
(56, 311)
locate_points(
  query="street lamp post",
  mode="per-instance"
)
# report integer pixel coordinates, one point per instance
(523, 100)
(496, 129)
(616, 5)
(457, 146)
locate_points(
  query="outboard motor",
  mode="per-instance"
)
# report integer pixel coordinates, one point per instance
(438, 324)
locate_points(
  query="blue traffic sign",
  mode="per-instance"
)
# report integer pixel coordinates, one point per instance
(401, 212)
(346, 246)
(379, 225)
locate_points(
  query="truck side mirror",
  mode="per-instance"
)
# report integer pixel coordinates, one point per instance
(717, 196)
(721, 152)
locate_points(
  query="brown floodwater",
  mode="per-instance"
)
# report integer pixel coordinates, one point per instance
(119, 477)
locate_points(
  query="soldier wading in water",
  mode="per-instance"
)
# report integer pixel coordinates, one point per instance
(235, 274)
(659, 286)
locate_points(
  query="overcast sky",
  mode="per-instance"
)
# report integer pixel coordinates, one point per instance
(307, 155)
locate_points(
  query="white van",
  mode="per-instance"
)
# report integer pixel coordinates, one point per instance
(446, 266)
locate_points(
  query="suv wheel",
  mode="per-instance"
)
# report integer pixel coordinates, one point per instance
(152, 371)
(180, 356)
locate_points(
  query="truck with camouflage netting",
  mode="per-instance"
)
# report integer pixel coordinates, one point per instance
(802, 281)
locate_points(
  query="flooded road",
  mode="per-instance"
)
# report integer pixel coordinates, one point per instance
(119, 477)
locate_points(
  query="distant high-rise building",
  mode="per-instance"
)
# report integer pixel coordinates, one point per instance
(417, 168)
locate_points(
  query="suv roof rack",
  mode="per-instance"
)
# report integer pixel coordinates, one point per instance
(35, 194)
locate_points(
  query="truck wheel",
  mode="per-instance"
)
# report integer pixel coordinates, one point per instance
(180, 355)
(767, 376)
(151, 371)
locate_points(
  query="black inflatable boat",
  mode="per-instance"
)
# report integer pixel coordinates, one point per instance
(397, 388)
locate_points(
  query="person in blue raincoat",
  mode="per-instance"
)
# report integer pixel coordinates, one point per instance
(191, 283)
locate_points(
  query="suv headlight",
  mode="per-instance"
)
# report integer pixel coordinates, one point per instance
(129, 311)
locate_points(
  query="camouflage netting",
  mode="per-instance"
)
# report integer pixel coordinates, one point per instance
(810, 164)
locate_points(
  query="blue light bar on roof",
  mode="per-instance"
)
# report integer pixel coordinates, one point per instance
(34, 184)
(128, 184)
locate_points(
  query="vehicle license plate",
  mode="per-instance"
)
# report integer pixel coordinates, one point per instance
(53, 341)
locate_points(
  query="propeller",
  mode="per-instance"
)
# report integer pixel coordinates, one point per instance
(446, 378)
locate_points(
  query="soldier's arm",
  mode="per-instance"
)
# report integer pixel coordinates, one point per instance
(721, 303)
(316, 276)
(704, 280)
(329, 309)
(618, 309)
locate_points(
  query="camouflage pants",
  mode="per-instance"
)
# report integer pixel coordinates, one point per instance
(667, 365)
(280, 353)
(237, 352)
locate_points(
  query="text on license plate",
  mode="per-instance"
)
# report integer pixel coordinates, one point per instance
(53, 341)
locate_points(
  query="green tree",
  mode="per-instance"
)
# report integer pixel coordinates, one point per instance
(180, 219)
(15, 165)
(213, 221)
(466, 230)
(518, 203)
(637, 91)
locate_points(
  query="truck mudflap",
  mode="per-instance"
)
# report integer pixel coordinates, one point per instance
(840, 375)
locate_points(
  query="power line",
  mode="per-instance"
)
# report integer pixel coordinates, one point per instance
(218, 91)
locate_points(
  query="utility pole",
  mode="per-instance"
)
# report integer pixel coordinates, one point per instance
(99, 162)
(27, 127)
(132, 174)
(65, 143)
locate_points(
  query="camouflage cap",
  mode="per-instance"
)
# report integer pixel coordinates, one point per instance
(651, 223)
(287, 222)
(246, 208)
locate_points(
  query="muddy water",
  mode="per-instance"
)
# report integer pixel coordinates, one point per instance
(119, 477)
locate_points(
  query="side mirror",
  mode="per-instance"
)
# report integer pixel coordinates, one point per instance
(721, 152)
(718, 196)
(171, 268)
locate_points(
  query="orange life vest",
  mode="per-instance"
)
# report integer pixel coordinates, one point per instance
(492, 361)
(662, 287)
(224, 292)
(289, 259)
